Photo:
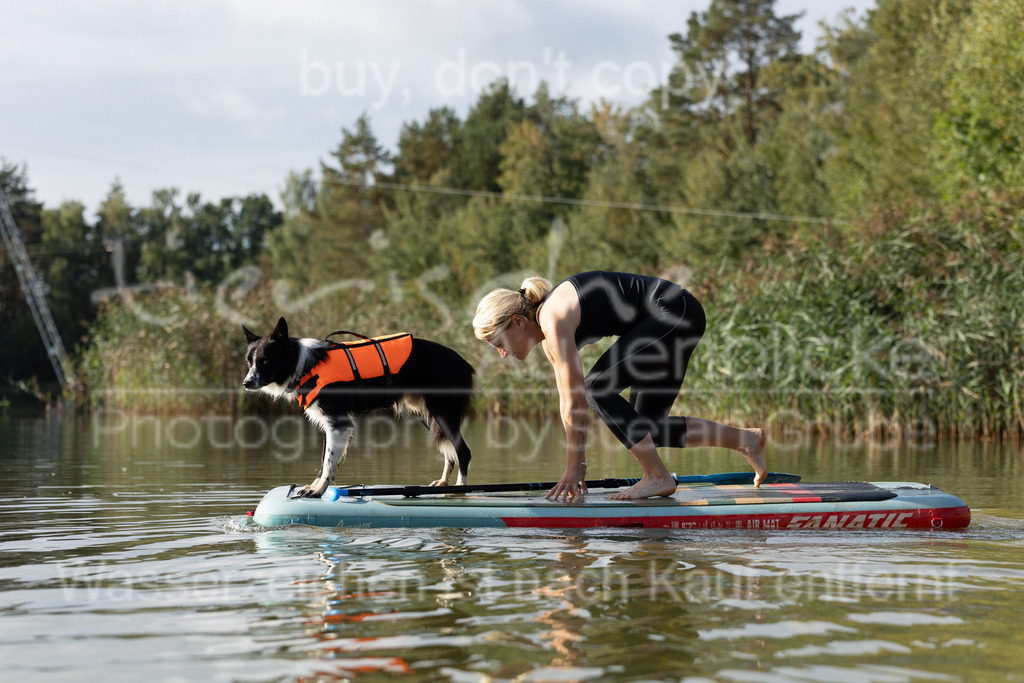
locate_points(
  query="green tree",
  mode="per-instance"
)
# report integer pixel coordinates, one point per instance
(160, 232)
(427, 157)
(797, 146)
(981, 133)
(424, 149)
(350, 209)
(251, 220)
(727, 48)
(714, 113)
(218, 238)
(23, 354)
(549, 153)
(24, 207)
(891, 101)
(200, 240)
(118, 232)
(74, 258)
(598, 234)
(288, 245)
(476, 164)
(546, 149)
(205, 240)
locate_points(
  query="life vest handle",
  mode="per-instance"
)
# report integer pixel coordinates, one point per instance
(352, 361)
(354, 334)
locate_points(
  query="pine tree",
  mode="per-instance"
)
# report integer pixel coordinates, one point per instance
(477, 162)
(716, 109)
(722, 59)
(350, 209)
(424, 149)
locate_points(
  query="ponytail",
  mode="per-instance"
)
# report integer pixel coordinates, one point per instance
(534, 290)
(495, 311)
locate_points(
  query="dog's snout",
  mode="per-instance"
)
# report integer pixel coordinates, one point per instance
(251, 381)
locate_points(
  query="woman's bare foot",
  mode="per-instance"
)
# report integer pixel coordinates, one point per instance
(753, 451)
(648, 487)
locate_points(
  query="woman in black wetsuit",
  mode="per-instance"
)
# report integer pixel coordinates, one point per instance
(658, 324)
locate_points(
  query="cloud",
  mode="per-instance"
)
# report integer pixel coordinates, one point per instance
(217, 86)
(225, 103)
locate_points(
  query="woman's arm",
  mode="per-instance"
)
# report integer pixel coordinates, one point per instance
(559, 319)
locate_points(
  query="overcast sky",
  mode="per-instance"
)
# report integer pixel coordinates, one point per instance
(224, 97)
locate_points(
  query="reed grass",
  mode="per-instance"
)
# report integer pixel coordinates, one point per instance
(909, 324)
(913, 323)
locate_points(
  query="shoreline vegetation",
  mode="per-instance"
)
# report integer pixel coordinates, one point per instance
(909, 326)
(852, 219)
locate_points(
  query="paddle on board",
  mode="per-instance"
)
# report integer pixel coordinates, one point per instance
(723, 479)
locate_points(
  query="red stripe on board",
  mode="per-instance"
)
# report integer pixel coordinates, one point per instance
(799, 493)
(934, 518)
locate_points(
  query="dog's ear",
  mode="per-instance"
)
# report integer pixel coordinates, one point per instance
(250, 336)
(280, 332)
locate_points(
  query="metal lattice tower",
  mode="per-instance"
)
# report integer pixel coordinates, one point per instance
(35, 293)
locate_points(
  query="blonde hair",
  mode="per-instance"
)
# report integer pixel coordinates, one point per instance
(495, 311)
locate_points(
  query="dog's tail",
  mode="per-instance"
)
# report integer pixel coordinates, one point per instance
(456, 381)
(451, 408)
(445, 381)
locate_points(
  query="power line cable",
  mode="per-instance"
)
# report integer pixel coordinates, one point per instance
(717, 213)
(455, 191)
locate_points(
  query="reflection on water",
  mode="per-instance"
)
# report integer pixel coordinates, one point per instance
(126, 555)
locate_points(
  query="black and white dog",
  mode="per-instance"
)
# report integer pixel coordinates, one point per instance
(434, 383)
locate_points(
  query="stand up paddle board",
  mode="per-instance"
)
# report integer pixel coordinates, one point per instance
(783, 505)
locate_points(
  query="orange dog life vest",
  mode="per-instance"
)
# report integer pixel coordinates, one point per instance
(354, 361)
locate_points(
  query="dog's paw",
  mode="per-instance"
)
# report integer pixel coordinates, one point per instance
(314, 490)
(439, 482)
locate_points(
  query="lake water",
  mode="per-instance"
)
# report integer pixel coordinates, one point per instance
(125, 554)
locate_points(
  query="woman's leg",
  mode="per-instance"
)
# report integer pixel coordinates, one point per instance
(656, 480)
(748, 442)
(639, 360)
(652, 360)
